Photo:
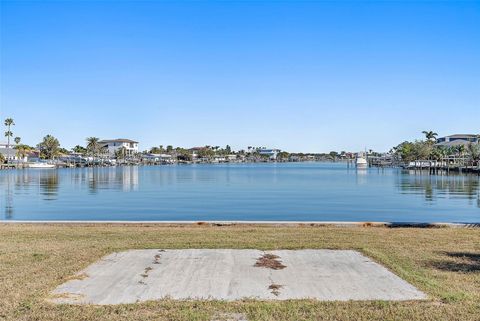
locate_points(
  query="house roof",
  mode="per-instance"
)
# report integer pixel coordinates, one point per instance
(454, 143)
(462, 136)
(8, 152)
(118, 140)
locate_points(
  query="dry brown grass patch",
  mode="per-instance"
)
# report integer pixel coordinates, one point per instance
(270, 261)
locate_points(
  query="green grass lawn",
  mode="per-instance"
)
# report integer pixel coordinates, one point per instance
(442, 262)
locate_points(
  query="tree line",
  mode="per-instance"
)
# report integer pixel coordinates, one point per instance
(427, 149)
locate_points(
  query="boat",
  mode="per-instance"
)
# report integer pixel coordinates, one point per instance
(40, 165)
(361, 161)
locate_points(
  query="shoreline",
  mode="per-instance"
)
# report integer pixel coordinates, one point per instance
(257, 223)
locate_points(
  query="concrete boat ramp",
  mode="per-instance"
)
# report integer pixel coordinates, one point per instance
(225, 274)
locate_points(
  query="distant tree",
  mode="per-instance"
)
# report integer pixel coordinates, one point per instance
(8, 133)
(436, 154)
(93, 147)
(169, 148)
(103, 151)
(430, 136)
(121, 153)
(49, 147)
(183, 154)
(474, 152)
(22, 150)
(17, 140)
(63, 151)
(228, 149)
(418, 150)
(206, 153)
(283, 155)
(79, 149)
(333, 155)
(155, 150)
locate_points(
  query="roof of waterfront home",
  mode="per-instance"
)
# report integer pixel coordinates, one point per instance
(118, 140)
(8, 152)
(462, 135)
(158, 155)
(454, 143)
(198, 148)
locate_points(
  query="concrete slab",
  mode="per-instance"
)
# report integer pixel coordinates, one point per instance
(225, 274)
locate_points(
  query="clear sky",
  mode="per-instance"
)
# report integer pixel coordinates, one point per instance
(300, 76)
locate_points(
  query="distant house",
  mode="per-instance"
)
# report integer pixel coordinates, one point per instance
(271, 153)
(195, 151)
(219, 159)
(458, 139)
(113, 145)
(9, 152)
(165, 158)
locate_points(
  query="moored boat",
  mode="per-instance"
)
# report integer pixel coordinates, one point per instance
(361, 161)
(40, 165)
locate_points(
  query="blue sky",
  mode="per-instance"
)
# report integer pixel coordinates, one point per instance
(300, 76)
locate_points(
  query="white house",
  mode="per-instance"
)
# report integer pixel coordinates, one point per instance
(458, 139)
(165, 158)
(271, 153)
(113, 145)
(9, 152)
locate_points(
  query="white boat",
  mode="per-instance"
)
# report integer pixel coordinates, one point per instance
(361, 161)
(40, 165)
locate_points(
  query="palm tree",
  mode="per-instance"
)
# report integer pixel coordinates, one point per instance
(93, 146)
(8, 134)
(8, 122)
(49, 147)
(79, 149)
(430, 136)
(121, 153)
(17, 140)
(22, 150)
(474, 152)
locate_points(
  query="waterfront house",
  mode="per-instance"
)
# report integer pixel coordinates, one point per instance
(9, 152)
(271, 153)
(195, 151)
(158, 158)
(458, 139)
(113, 145)
(219, 159)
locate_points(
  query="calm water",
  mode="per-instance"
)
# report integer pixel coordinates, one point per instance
(294, 191)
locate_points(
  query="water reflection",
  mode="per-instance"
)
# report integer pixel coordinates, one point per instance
(315, 192)
(435, 187)
(8, 200)
(48, 182)
(118, 178)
